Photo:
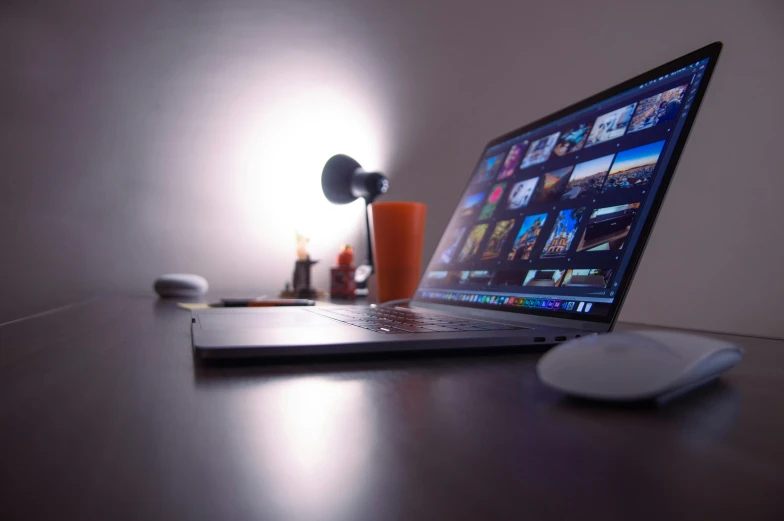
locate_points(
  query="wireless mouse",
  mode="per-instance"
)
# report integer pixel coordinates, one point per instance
(180, 285)
(636, 365)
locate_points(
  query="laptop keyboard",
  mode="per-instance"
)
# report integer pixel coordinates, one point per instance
(399, 320)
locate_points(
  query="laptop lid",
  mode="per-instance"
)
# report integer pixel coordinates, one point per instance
(555, 216)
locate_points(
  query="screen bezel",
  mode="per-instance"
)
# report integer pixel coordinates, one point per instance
(711, 52)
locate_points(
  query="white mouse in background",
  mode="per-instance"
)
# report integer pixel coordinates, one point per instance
(180, 285)
(636, 365)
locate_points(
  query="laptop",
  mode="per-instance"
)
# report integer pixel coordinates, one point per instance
(542, 245)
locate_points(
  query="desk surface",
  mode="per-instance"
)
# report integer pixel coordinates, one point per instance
(105, 415)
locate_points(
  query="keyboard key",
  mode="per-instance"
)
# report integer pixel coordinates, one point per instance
(383, 329)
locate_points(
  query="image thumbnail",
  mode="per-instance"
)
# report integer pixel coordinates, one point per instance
(471, 203)
(587, 178)
(526, 237)
(645, 115)
(442, 278)
(544, 278)
(512, 160)
(611, 125)
(488, 168)
(436, 275)
(634, 168)
(453, 278)
(497, 239)
(451, 241)
(521, 193)
(496, 194)
(508, 278)
(657, 109)
(572, 140)
(587, 278)
(471, 245)
(563, 232)
(552, 186)
(482, 277)
(670, 104)
(608, 228)
(540, 150)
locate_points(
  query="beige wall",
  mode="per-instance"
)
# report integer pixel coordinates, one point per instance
(144, 137)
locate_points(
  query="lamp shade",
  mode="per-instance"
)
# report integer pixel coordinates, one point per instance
(336, 179)
(343, 180)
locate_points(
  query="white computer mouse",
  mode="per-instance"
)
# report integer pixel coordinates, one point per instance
(180, 285)
(636, 365)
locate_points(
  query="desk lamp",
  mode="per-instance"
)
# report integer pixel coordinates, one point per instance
(343, 181)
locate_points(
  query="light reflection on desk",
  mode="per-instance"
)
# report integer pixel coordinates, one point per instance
(313, 436)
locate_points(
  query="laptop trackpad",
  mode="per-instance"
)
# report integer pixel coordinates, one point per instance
(264, 319)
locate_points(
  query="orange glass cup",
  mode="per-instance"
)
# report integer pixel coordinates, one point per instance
(398, 231)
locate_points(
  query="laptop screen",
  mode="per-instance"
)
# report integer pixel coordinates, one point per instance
(553, 213)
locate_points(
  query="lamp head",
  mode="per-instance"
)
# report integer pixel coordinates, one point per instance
(343, 180)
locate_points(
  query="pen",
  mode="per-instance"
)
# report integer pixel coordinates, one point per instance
(263, 303)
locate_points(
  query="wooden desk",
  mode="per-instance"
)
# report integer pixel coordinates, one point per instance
(104, 415)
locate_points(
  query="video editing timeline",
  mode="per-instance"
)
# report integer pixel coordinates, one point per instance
(550, 217)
